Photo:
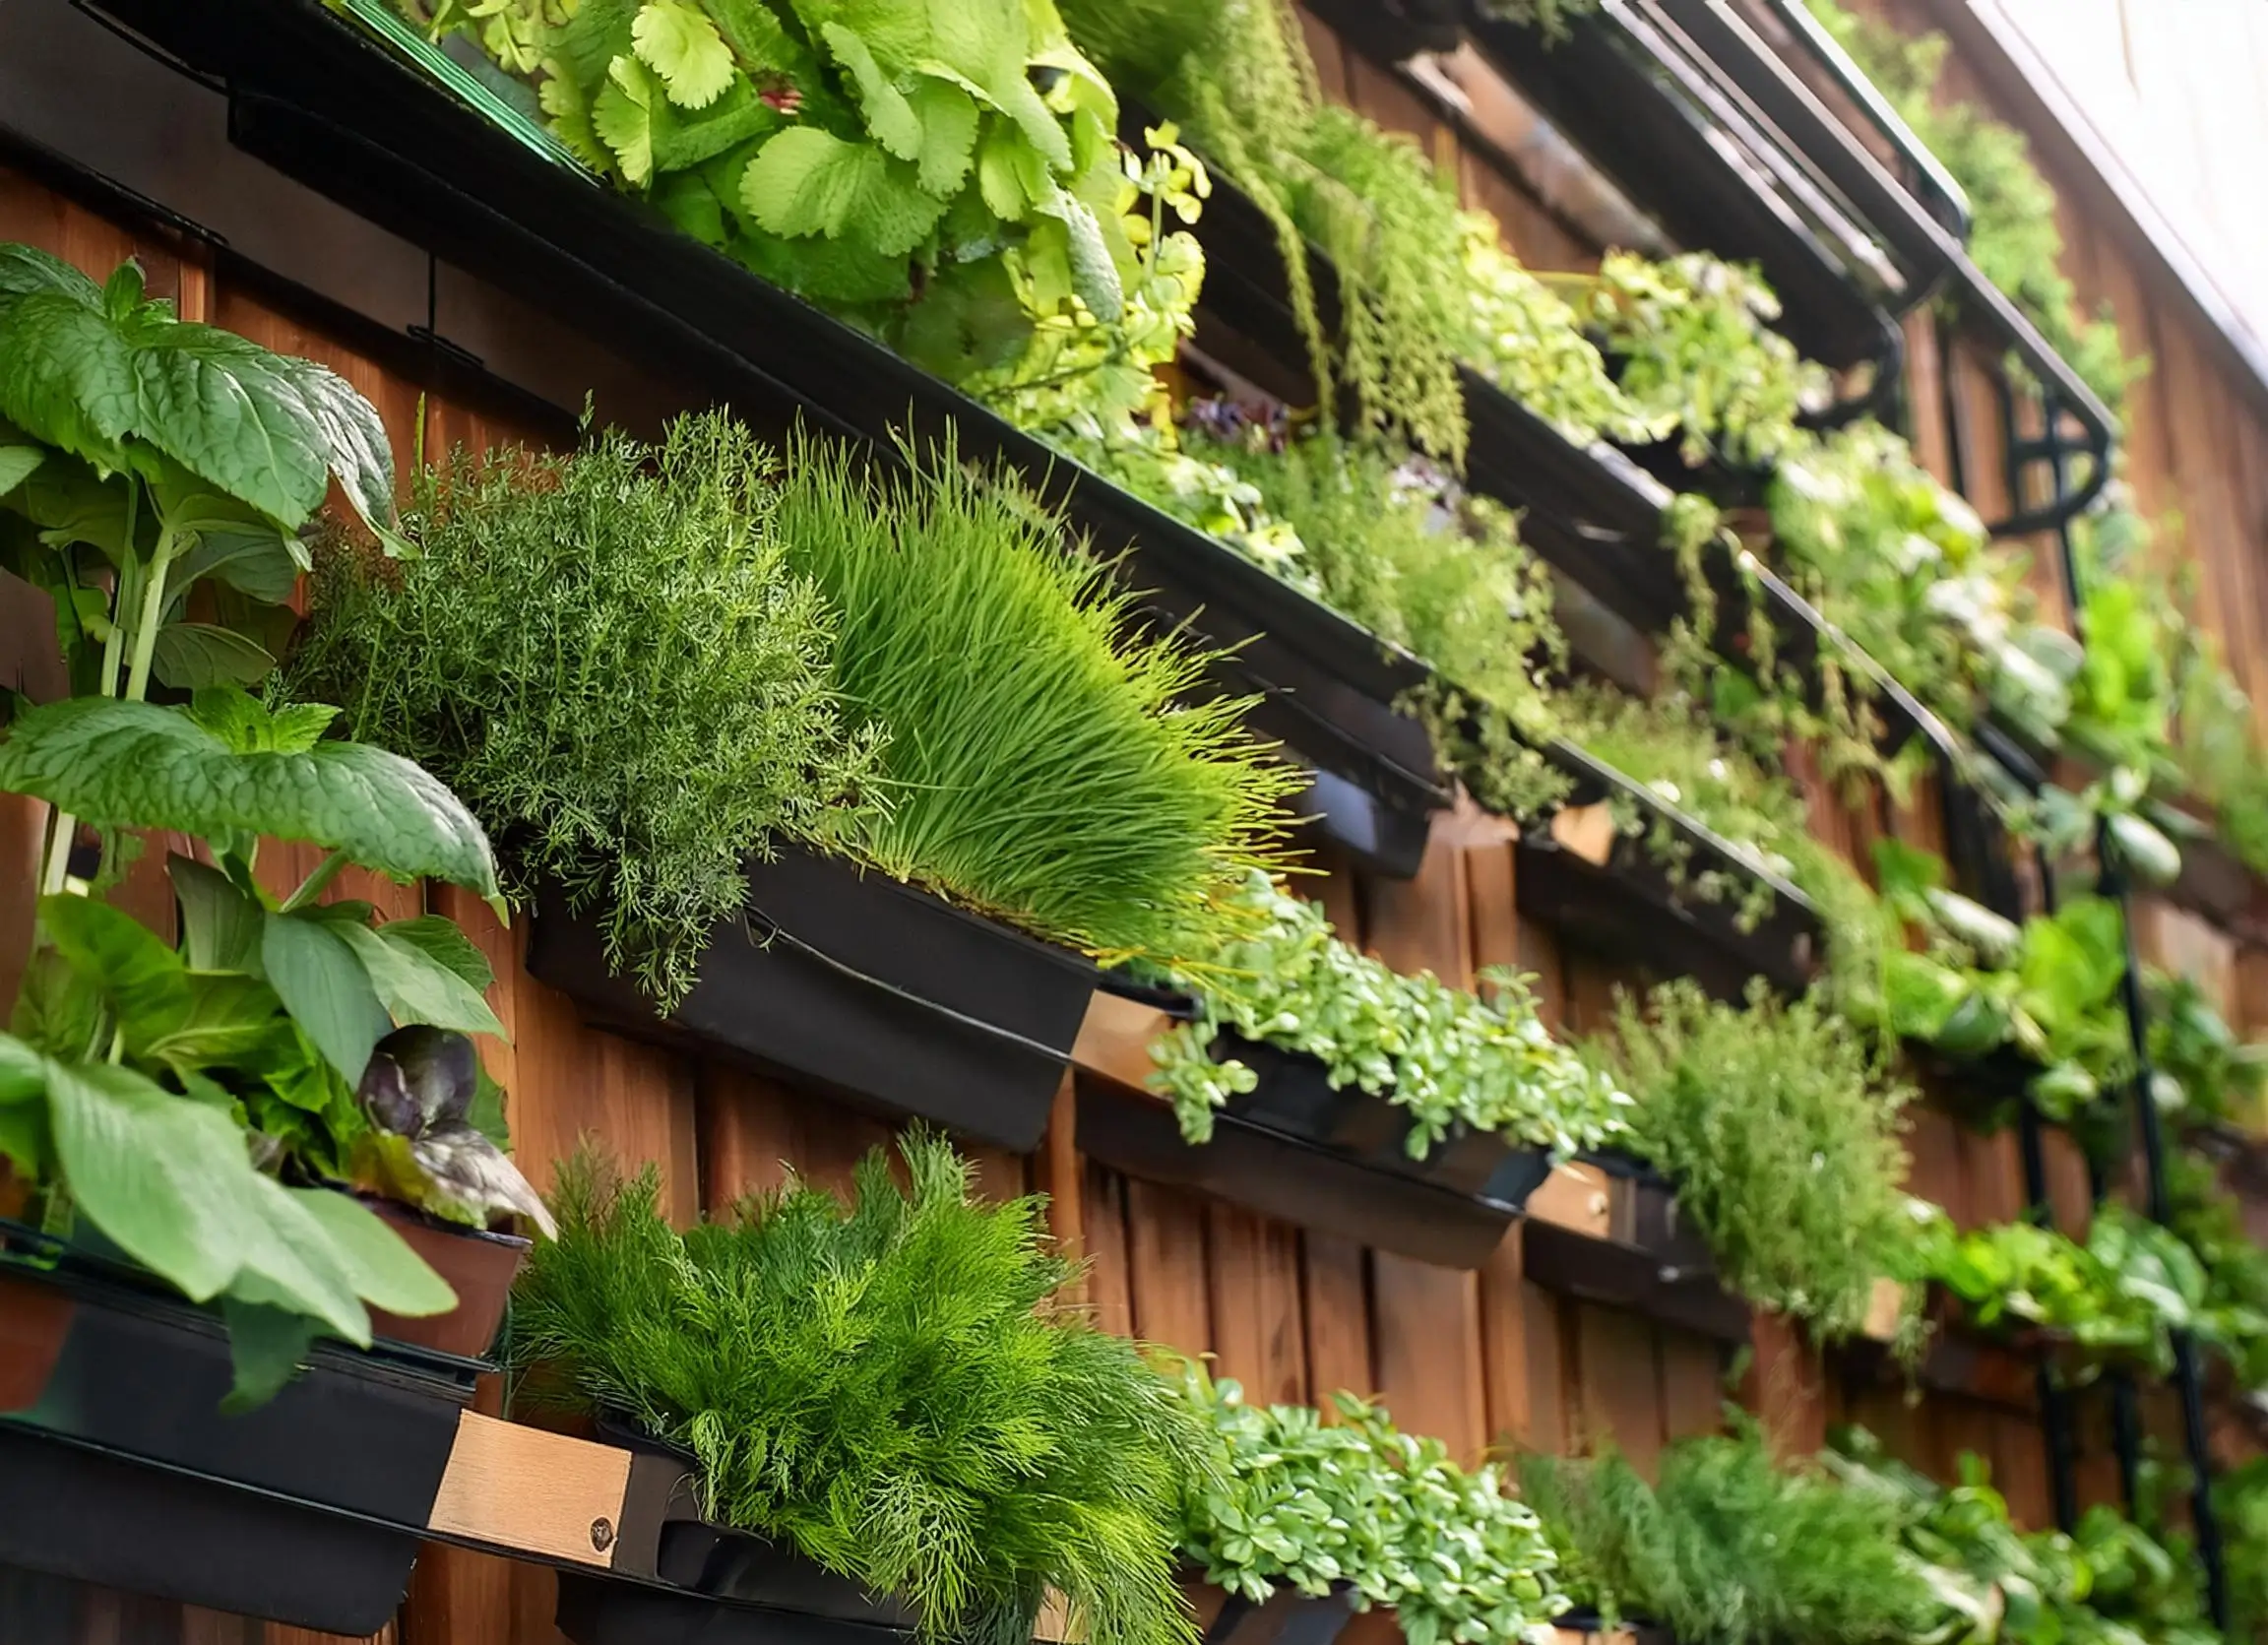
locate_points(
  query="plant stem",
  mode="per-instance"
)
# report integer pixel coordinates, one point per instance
(312, 886)
(151, 615)
(55, 864)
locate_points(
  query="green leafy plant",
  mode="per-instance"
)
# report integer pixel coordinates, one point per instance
(1303, 1503)
(194, 1105)
(863, 154)
(891, 1385)
(611, 657)
(1692, 349)
(2108, 1582)
(1524, 335)
(1238, 78)
(1418, 561)
(1447, 1057)
(2120, 1296)
(1730, 1549)
(1781, 1129)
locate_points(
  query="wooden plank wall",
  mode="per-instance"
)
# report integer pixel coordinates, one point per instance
(1481, 1360)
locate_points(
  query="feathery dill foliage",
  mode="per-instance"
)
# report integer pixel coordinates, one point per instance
(1236, 74)
(1780, 1128)
(1420, 562)
(1730, 1549)
(1041, 761)
(887, 1384)
(607, 654)
(1301, 1503)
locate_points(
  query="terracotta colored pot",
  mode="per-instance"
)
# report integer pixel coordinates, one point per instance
(35, 1319)
(480, 1267)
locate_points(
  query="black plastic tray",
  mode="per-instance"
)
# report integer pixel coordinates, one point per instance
(313, 96)
(125, 1474)
(1285, 1618)
(1295, 1150)
(1629, 908)
(718, 1586)
(1630, 88)
(851, 981)
(1663, 1271)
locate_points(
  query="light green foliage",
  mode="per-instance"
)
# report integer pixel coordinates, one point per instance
(890, 1385)
(1905, 569)
(2210, 1221)
(1446, 1056)
(1782, 1132)
(2014, 235)
(1043, 757)
(2202, 1073)
(1083, 378)
(1237, 76)
(610, 656)
(1693, 349)
(1670, 744)
(2108, 1583)
(862, 153)
(1526, 338)
(1301, 1503)
(2046, 989)
(1149, 459)
(2240, 1501)
(1418, 561)
(2119, 1296)
(1730, 1549)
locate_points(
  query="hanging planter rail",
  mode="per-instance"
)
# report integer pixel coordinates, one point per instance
(858, 984)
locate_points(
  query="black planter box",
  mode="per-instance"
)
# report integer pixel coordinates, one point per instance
(1285, 1618)
(308, 1510)
(1630, 909)
(859, 984)
(1660, 1268)
(718, 1586)
(1295, 1150)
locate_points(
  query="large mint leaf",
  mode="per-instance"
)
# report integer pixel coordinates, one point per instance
(314, 971)
(352, 439)
(160, 1175)
(67, 377)
(383, 1269)
(24, 269)
(227, 410)
(415, 987)
(137, 765)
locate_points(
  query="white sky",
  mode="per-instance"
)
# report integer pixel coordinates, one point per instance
(2178, 90)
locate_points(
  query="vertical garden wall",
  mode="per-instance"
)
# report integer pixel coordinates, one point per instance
(1522, 1226)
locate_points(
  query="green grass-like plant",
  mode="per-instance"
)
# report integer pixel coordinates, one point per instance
(890, 1385)
(611, 657)
(1730, 1549)
(1044, 759)
(1781, 1129)
(1303, 1503)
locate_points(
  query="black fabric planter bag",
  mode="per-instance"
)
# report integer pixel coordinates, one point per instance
(722, 1586)
(863, 986)
(124, 1471)
(1334, 1161)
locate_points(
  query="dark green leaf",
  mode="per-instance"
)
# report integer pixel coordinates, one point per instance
(195, 655)
(67, 377)
(142, 978)
(220, 927)
(415, 987)
(266, 1347)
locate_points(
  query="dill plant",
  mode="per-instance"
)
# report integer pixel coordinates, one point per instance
(1781, 1127)
(609, 657)
(1297, 1501)
(1044, 758)
(1728, 1548)
(890, 1385)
